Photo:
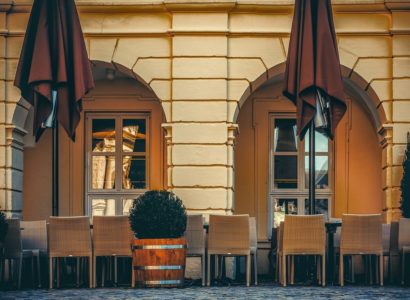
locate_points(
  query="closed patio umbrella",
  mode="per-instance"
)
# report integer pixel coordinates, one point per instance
(313, 80)
(54, 72)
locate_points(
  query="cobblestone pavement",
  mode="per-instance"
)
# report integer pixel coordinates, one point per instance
(264, 291)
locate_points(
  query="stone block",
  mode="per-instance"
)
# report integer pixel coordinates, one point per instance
(197, 198)
(386, 108)
(401, 89)
(199, 21)
(347, 58)
(249, 69)
(361, 22)
(400, 133)
(366, 46)
(199, 176)
(166, 107)
(233, 110)
(199, 89)
(199, 133)
(374, 68)
(17, 22)
(401, 21)
(401, 45)
(383, 89)
(153, 68)
(278, 23)
(2, 47)
(398, 154)
(204, 111)
(130, 49)
(268, 49)
(13, 94)
(102, 49)
(199, 155)
(200, 46)
(13, 47)
(162, 89)
(236, 89)
(401, 67)
(401, 111)
(397, 175)
(2, 69)
(124, 23)
(199, 68)
(11, 69)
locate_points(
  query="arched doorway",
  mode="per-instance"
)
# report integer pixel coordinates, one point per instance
(119, 151)
(271, 163)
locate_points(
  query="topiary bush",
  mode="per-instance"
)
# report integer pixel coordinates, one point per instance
(405, 182)
(3, 226)
(158, 214)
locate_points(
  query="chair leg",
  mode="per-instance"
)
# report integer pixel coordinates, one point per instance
(90, 271)
(255, 263)
(323, 270)
(292, 269)
(132, 276)
(284, 269)
(277, 268)
(94, 271)
(203, 269)
(58, 271)
(20, 266)
(209, 270)
(51, 271)
(38, 270)
(381, 269)
(248, 270)
(115, 270)
(403, 264)
(352, 268)
(318, 272)
(341, 275)
(103, 271)
(78, 272)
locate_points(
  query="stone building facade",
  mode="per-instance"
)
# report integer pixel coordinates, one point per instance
(200, 61)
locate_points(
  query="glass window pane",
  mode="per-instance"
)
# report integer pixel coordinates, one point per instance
(103, 135)
(321, 142)
(321, 173)
(103, 207)
(126, 206)
(134, 172)
(321, 207)
(134, 135)
(282, 207)
(103, 172)
(285, 135)
(286, 172)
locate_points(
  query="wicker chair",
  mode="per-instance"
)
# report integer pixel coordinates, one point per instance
(279, 250)
(195, 237)
(34, 239)
(229, 236)
(69, 237)
(254, 246)
(404, 244)
(361, 235)
(112, 237)
(304, 235)
(13, 249)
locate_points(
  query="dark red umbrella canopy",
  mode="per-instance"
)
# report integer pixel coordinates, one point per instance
(54, 57)
(313, 64)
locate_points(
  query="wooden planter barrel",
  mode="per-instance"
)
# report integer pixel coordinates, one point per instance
(159, 262)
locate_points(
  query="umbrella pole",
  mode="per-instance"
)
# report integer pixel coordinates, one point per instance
(312, 179)
(54, 166)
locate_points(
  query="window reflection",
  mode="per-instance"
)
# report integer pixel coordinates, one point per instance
(134, 172)
(321, 172)
(103, 172)
(321, 207)
(134, 135)
(285, 135)
(282, 207)
(103, 135)
(286, 171)
(321, 142)
(103, 207)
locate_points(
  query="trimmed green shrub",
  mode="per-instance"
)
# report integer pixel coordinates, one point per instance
(158, 214)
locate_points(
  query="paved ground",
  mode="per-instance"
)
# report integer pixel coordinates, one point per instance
(264, 291)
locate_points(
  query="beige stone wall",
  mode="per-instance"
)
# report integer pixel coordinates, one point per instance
(200, 58)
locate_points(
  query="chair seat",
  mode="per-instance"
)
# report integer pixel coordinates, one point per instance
(406, 249)
(227, 252)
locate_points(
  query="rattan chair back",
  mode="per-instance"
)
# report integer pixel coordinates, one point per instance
(112, 235)
(195, 235)
(12, 240)
(228, 234)
(361, 234)
(304, 235)
(34, 235)
(404, 233)
(69, 236)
